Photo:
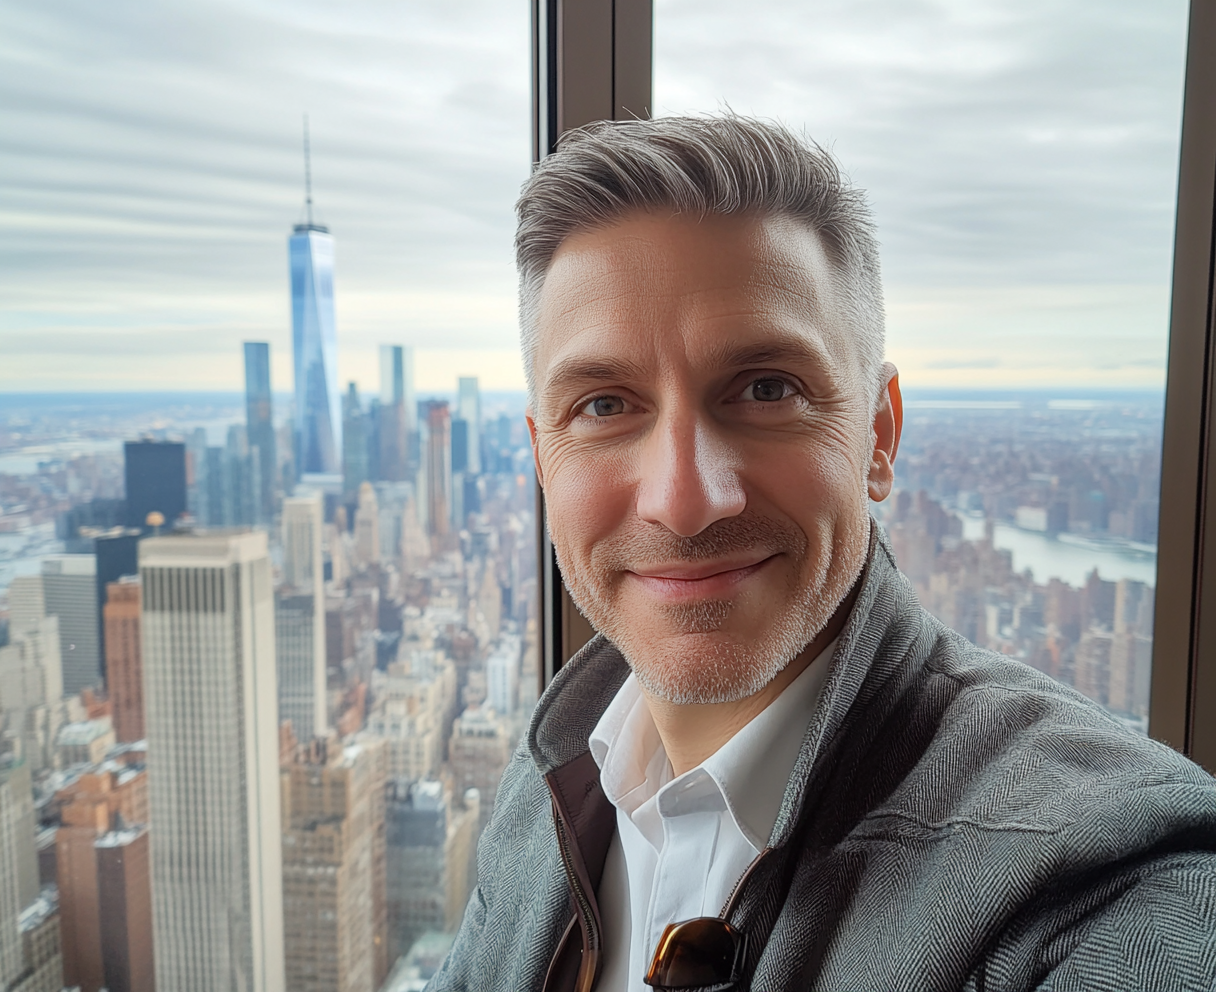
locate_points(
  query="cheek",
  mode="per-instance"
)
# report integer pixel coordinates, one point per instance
(588, 496)
(813, 486)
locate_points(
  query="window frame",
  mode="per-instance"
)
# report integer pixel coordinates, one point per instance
(1184, 648)
(593, 60)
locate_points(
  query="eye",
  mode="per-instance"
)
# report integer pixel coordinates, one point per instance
(604, 406)
(767, 390)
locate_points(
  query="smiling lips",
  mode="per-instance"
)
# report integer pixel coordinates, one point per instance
(687, 582)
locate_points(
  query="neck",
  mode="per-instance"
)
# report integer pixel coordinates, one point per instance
(691, 732)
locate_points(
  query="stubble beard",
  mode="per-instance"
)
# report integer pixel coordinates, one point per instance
(699, 662)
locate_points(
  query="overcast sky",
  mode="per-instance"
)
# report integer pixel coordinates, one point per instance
(1021, 157)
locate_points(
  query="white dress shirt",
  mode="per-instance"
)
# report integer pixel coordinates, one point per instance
(682, 844)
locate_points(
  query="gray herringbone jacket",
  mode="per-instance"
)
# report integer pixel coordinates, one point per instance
(955, 820)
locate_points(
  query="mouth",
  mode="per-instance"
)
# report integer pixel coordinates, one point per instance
(687, 582)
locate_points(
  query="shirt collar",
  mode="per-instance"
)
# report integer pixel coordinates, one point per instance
(748, 774)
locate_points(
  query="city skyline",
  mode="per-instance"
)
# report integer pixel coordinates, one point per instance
(388, 641)
(1021, 161)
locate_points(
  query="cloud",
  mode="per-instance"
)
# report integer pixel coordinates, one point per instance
(153, 168)
(1015, 151)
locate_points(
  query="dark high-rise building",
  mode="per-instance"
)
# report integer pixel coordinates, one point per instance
(117, 555)
(155, 474)
(259, 423)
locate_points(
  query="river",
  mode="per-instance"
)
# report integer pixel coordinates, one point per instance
(1049, 557)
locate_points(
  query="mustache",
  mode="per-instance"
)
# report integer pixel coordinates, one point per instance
(648, 544)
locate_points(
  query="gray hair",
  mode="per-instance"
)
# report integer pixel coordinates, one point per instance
(699, 166)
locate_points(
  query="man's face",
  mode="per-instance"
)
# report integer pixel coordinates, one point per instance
(705, 442)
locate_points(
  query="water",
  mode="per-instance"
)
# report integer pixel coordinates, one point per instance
(1048, 557)
(24, 461)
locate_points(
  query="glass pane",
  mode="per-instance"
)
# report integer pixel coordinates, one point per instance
(1021, 162)
(268, 598)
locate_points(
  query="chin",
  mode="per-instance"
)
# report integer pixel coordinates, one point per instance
(718, 651)
(709, 668)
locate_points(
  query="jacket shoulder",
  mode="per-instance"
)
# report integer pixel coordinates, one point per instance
(1006, 747)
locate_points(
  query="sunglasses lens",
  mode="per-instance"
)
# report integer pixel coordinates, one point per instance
(699, 953)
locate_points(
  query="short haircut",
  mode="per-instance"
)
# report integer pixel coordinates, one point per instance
(700, 166)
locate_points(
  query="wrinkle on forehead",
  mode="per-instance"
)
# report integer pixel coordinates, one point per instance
(767, 274)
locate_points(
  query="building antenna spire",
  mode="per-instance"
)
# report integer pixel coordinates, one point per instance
(307, 172)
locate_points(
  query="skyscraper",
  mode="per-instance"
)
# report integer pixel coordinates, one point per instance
(18, 871)
(367, 526)
(300, 619)
(213, 768)
(126, 676)
(314, 341)
(438, 468)
(478, 750)
(354, 444)
(259, 423)
(101, 863)
(155, 474)
(65, 588)
(117, 555)
(431, 839)
(468, 409)
(396, 413)
(333, 867)
(31, 688)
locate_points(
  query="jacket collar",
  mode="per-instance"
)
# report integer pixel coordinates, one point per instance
(583, 688)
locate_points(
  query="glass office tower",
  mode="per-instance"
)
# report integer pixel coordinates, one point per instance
(318, 418)
(259, 423)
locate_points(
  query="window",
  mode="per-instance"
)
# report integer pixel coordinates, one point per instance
(1021, 162)
(267, 523)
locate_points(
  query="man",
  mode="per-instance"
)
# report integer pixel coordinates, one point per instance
(773, 769)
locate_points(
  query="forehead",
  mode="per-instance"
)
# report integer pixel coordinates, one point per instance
(654, 289)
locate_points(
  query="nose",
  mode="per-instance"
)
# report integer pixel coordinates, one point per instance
(689, 476)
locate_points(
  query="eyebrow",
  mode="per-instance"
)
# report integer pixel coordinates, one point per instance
(767, 353)
(584, 370)
(578, 371)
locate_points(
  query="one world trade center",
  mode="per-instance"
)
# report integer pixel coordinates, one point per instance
(318, 439)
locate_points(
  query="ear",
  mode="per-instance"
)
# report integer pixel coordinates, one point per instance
(540, 476)
(887, 427)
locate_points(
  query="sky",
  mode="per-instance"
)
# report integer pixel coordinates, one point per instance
(1020, 156)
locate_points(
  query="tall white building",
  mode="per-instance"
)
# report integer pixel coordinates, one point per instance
(65, 588)
(31, 689)
(302, 528)
(502, 674)
(300, 619)
(18, 864)
(213, 762)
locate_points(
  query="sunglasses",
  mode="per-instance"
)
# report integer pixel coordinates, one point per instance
(706, 953)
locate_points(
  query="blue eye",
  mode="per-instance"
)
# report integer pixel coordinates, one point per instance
(767, 390)
(604, 406)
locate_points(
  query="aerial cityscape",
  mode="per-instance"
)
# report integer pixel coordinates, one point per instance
(261, 670)
(263, 658)
(317, 677)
